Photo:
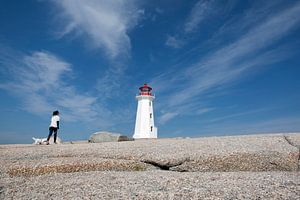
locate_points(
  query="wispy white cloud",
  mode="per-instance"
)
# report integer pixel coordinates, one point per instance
(173, 42)
(167, 116)
(104, 23)
(230, 62)
(159, 10)
(39, 81)
(200, 11)
(43, 71)
(256, 13)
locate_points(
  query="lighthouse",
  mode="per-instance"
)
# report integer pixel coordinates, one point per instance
(144, 124)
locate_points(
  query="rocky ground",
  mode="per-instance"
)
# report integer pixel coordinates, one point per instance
(233, 167)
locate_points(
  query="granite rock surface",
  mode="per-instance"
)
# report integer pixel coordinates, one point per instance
(231, 167)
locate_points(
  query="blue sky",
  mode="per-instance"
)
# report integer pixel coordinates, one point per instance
(216, 67)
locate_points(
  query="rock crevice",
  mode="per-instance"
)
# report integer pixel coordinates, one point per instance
(289, 141)
(166, 166)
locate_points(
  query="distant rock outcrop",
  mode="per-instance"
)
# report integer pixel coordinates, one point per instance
(105, 136)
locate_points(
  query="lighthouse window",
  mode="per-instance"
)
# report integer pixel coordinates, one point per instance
(151, 128)
(150, 103)
(150, 115)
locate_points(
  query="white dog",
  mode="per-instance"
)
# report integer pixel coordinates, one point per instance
(39, 141)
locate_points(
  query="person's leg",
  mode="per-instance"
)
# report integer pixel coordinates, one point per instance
(50, 133)
(55, 135)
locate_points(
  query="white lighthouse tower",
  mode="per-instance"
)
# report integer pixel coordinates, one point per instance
(144, 124)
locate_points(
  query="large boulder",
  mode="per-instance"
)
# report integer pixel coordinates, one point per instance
(105, 136)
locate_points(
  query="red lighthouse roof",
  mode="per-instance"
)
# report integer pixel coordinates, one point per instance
(145, 87)
(145, 90)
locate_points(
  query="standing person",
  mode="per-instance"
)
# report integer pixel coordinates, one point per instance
(54, 126)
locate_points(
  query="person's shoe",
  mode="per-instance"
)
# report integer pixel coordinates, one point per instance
(47, 143)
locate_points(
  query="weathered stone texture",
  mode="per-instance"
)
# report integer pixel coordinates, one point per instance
(107, 137)
(234, 167)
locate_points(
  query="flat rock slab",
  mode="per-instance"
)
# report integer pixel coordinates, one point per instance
(232, 153)
(154, 185)
(235, 167)
(293, 139)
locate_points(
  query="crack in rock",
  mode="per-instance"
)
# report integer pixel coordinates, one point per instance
(155, 164)
(2, 192)
(166, 166)
(291, 143)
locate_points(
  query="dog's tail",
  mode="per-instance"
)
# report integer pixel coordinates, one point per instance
(34, 138)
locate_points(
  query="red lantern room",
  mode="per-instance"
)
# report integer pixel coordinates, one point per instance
(145, 90)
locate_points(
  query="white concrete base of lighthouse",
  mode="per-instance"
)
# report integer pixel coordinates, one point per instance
(146, 135)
